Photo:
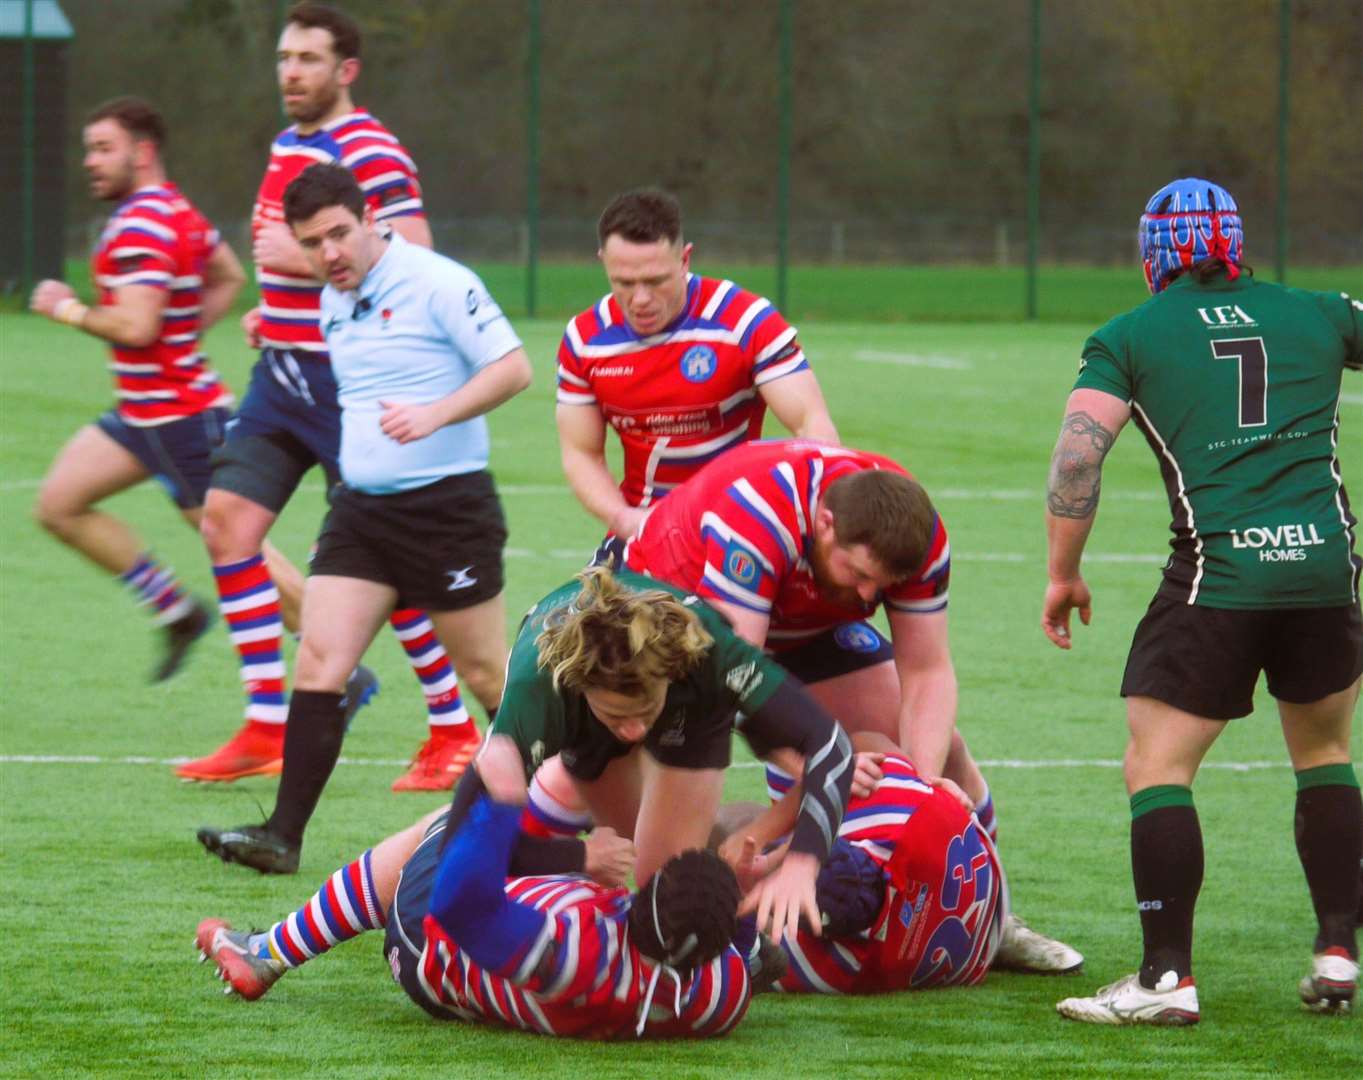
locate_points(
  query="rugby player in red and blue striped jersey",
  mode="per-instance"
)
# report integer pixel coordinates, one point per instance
(683, 367)
(557, 955)
(164, 275)
(798, 544)
(290, 420)
(913, 895)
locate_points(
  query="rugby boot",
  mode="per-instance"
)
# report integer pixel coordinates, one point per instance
(244, 973)
(360, 689)
(440, 761)
(1172, 1003)
(1332, 983)
(1022, 949)
(251, 845)
(180, 637)
(255, 750)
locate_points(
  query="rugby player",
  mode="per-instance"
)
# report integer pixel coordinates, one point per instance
(797, 544)
(421, 353)
(289, 419)
(164, 276)
(636, 688)
(913, 895)
(1235, 385)
(683, 367)
(558, 955)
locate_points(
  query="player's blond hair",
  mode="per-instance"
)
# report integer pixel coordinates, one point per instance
(614, 638)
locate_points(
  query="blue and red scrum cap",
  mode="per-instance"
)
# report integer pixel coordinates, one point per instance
(1186, 222)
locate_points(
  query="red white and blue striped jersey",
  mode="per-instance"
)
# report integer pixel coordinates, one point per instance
(680, 397)
(290, 305)
(157, 238)
(944, 899)
(582, 976)
(742, 531)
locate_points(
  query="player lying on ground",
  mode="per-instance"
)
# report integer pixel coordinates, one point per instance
(164, 277)
(1235, 385)
(913, 895)
(637, 687)
(558, 955)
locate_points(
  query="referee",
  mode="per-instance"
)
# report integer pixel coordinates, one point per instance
(421, 352)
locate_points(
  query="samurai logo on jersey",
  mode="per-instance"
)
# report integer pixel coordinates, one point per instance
(1277, 543)
(1227, 315)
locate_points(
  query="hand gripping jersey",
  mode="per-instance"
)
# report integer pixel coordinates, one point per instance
(582, 976)
(742, 530)
(681, 397)
(290, 305)
(157, 238)
(944, 898)
(1235, 385)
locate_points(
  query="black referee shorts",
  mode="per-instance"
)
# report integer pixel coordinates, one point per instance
(440, 546)
(1206, 660)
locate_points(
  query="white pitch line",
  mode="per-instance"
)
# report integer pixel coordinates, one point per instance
(1351, 399)
(943, 363)
(33, 483)
(388, 763)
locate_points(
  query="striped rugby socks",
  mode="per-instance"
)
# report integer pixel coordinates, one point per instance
(343, 908)
(250, 605)
(157, 587)
(445, 710)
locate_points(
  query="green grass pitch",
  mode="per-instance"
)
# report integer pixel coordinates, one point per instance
(102, 883)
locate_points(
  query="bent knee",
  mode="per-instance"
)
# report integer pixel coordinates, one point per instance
(56, 513)
(230, 531)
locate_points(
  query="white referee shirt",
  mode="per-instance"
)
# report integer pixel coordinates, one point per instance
(418, 327)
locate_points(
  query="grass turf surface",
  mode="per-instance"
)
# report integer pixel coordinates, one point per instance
(104, 883)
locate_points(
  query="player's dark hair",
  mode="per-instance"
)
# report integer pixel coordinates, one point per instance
(345, 31)
(1205, 270)
(319, 186)
(687, 914)
(888, 512)
(642, 216)
(850, 891)
(139, 118)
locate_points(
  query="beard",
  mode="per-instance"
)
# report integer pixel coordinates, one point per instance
(313, 108)
(843, 596)
(114, 186)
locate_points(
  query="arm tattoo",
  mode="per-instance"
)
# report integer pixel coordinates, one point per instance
(1077, 466)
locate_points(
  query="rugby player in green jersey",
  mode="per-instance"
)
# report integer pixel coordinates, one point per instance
(639, 688)
(1235, 385)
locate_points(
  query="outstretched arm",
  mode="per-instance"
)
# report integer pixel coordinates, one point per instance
(1093, 420)
(469, 898)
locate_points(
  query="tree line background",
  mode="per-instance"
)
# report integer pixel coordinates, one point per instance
(909, 119)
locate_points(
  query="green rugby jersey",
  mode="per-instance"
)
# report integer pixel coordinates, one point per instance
(1236, 387)
(543, 721)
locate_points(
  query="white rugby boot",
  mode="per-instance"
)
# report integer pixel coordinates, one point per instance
(1332, 983)
(1172, 1003)
(1023, 949)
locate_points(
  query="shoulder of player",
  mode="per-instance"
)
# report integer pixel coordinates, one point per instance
(361, 138)
(602, 320)
(729, 304)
